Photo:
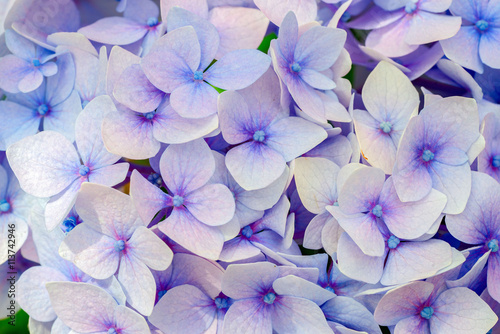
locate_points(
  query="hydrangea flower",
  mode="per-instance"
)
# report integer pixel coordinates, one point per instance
(476, 43)
(489, 159)
(24, 70)
(49, 165)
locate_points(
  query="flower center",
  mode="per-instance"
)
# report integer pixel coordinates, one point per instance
(493, 245)
(427, 155)
(161, 293)
(259, 136)
(495, 162)
(329, 288)
(69, 223)
(42, 109)
(150, 115)
(198, 75)
(178, 201)
(36, 62)
(4, 206)
(296, 67)
(482, 25)
(393, 242)
(83, 170)
(377, 211)
(246, 231)
(427, 312)
(119, 245)
(221, 303)
(152, 22)
(269, 298)
(411, 6)
(84, 104)
(155, 179)
(112, 331)
(386, 127)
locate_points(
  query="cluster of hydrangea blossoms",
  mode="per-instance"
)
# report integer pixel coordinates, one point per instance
(251, 159)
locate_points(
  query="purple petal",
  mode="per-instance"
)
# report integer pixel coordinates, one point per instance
(58, 206)
(428, 27)
(298, 314)
(493, 278)
(361, 190)
(248, 316)
(414, 324)
(288, 35)
(236, 127)
(463, 48)
(488, 47)
(195, 99)
(130, 320)
(16, 123)
(298, 287)
(60, 86)
(119, 60)
(141, 11)
(364, 230)
(454, 182)
(305, 10)
(19, 45)
(198, 7)
(212, 204)
(248, 280)
(109, 175)
(148, 248)
(13, 70)
(238, 249)
(390, 40)
(114, 31)
(63, 116)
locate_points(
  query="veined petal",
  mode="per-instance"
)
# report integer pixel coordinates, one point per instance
(194, 99)
(212, 204)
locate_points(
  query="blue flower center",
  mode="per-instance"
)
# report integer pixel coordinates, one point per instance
(178, 201)
(345, 17)
(42, 109)
(329, 288)
(36, 62)
(377, 211)
(69, 223)
(427, 155)
(246, 231)
(296, 67)
(411, 6)
(161, 293)
(393, 242)
(119, 245)
(221, 303)
(482, 25)
(155, 179)
(4, 206)
(84, 104)
(493, 245)
(83, 170)
(495, 162)
(259, 136)
(150, 115)
(112, 331)
(427, 312)
(386, 127)
(198, 75)
(152, 21)
(269, 298)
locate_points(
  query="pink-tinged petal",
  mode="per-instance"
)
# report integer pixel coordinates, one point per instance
(92, 252)
(293, 136)
(107, 211)
(463, 48)
(169, 127)
(364, 230)
(119, 60)
(184, 309)
(88, 133)
(330, 235)
(94, 311)
(451, 156)
(410, 220)
(212, 204)
(32, 295)
(298, 315)
(435, 6)
(390, 40)
(195, 99)
(414, 324)
(361, 190)
(493, 279)
(254, 165)
(16, 122)
(428, 27)
(58, 206)
(114, 30)
(187, 167)
(298, 287)
(276, 11)
(238, 249)
(129, 134)
(378, 16)
(238, 27)
(316, 182)
(319, 47)
(130, 321)
(488, 47)
(308, 99)
(411, 261)
(454, 182)
(62, 117)
(242, 281)
(135, 91)
(109, 175)
(198, 7)
(138, 284)
(201, 239)
(148, 248)
(238, 69)
(206, 33)
(147, 198)
(357, 265)
(141, 11)
(236, 120)
(288, 36)
(248, 316)
(460, 310)
(44, 163)
(173, 59)
(13, 70)
(402, 302)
